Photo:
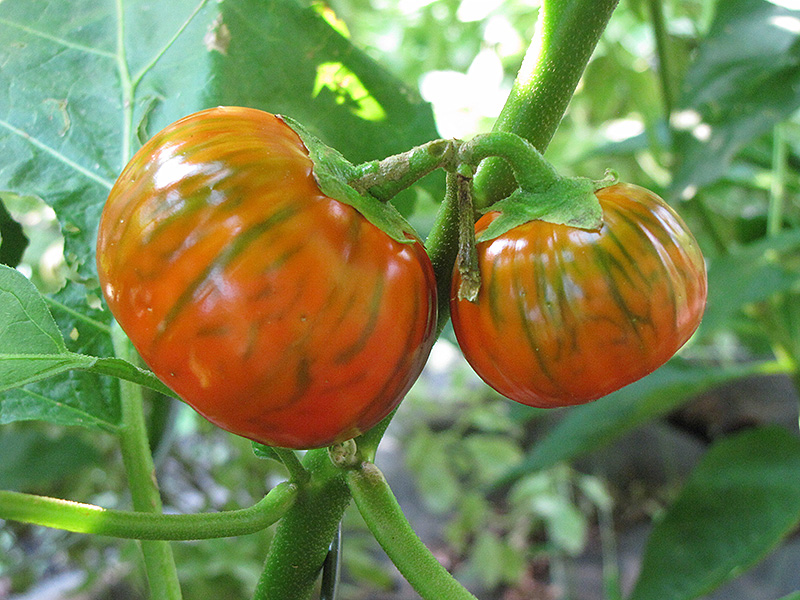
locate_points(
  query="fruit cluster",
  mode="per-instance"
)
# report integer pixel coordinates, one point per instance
(284, 315)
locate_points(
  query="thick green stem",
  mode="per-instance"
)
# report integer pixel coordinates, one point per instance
(566, 35)
(88, 518)
(304, 535)
(388, 524)
(135, 446)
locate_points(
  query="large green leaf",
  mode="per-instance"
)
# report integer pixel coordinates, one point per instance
(738, 504)
(63, 125)
(591, 426)
(744, 79)
(75, 103)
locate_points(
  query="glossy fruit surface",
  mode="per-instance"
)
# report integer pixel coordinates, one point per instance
(565, 315)
(278, 313)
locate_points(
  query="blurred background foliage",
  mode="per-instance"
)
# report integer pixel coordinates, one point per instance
(694, 99)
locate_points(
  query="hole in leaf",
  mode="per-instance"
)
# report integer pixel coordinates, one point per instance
(32, 240)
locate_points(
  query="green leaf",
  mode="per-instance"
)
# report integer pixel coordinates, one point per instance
(430, 457)
(747, 275)
(32, 349)
(492, 455)
(488, 558)
(591, 426)
(26, 326)
(287, 59)
(31, 460)
(740, 501)
(744, 80)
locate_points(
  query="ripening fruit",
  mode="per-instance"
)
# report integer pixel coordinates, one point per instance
(565, 316)
(278, 313)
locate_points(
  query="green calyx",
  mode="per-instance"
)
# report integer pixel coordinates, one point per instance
(569, 201)
(335, 174)
(541, 195)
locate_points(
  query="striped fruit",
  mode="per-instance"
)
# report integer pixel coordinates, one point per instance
(565, 316)
(278, 313)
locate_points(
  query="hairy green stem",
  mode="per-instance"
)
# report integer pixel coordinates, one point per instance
(304, 534)
(531, 171)
(297, 472)
(385, 178)
(159, 562)
(388, 524)
(88, 518)
(566, 35)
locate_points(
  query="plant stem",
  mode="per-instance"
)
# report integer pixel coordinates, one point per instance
(660, 32)
(385, 178)
(297, 472)
(388, 524)
(467, 260)
(158, 559)
(442, 246)
(304, 534)
(531, 171)
(88, 518)
(777, 190)
(566, 35)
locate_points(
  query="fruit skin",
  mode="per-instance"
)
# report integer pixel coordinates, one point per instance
(278, 313)
(565, 315)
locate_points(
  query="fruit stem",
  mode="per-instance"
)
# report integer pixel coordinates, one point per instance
(297, 472)
(384, 179)
(467, 260)
(531, 171)
(388, 524)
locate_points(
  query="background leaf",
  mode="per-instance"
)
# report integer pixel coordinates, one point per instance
(288, 59)
(747, 275)
(32, 349)
(744, 79)
(31, 460)
(738, 504)
(591, 426)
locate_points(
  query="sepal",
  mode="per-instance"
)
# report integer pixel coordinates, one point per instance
(333, 173)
